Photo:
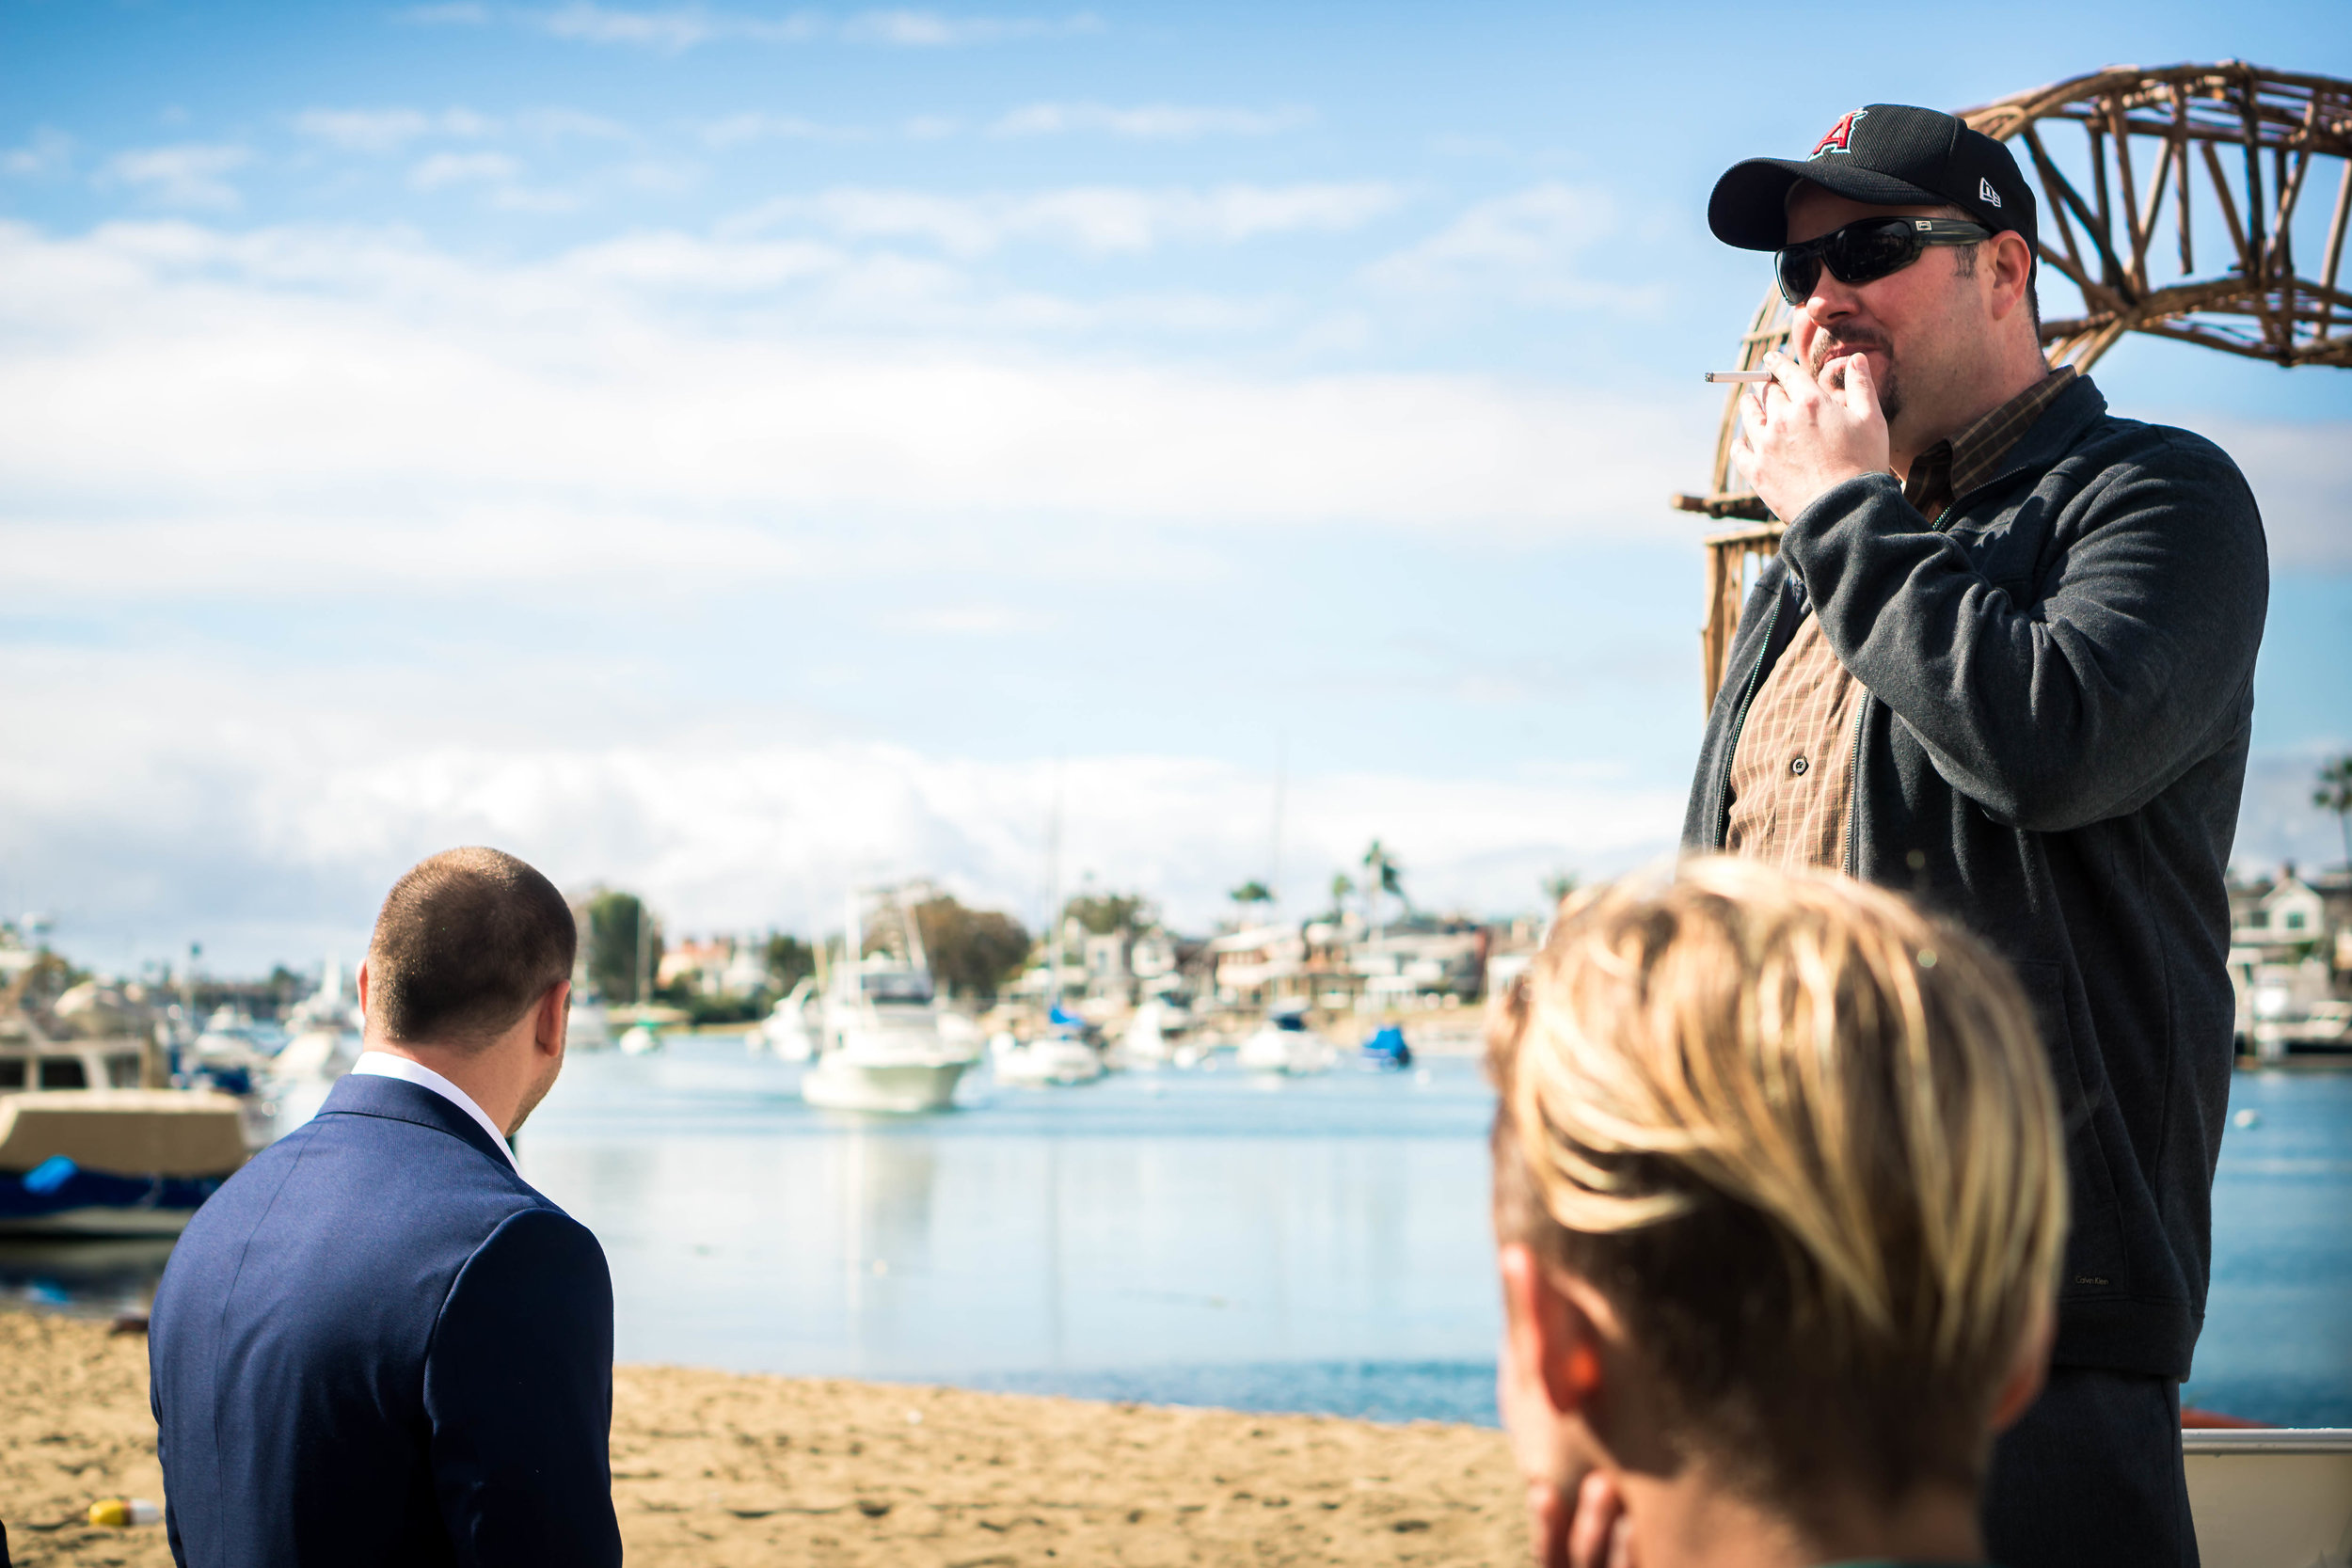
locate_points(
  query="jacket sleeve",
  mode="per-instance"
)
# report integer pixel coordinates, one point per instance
(518, 1395)
(2086, 703)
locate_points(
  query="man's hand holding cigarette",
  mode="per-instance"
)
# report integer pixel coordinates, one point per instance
(1803, 434)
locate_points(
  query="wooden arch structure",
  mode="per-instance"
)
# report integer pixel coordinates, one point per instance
(2155, 155)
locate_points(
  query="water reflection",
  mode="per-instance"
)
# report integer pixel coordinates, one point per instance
(1190, 1220)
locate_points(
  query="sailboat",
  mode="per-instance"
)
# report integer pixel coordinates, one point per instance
(878, 1043)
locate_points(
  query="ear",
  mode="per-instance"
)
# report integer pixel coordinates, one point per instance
(2027, 1372)
(363, 987)
(555, 1016)
(1554, 1342)
(2011, 271)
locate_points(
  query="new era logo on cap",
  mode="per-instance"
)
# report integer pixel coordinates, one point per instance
(1985, 193)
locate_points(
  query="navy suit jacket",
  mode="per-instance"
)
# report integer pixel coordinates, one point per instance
(377, 1344)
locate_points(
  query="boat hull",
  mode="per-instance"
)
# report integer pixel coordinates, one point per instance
(838, 1083)
(2269, 1497)
(1047, 1067)
(99, 1220)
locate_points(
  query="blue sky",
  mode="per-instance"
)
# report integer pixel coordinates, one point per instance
(727, 450)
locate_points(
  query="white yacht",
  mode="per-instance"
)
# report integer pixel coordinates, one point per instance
(322, 1034)
(1284, 1044)
(1058, 1057)
(786, 1030)
(587, 1027)
(879, 1045)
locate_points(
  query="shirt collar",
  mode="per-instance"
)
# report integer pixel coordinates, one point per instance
(383, 1064)
(1953, 468)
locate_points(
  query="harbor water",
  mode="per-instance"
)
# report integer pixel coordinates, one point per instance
(1193, 1237)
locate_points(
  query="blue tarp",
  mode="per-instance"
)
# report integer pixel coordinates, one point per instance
(58, 1185)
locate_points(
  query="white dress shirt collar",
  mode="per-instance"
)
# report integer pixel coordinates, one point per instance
(383, 1064)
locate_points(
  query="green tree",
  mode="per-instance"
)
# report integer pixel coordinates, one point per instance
(624, 944)
(2335, 794)
(1103, 914)
(1558, 886)
(1342, 888)
(1382, 874)
(972, 952)
(1251, 894)
(789, 961)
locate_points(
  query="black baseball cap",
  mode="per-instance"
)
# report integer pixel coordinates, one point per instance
(1887, 155)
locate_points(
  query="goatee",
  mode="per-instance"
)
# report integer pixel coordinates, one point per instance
(1890, 387)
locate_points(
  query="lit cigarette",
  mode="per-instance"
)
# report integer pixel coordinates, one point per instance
(1739, 375)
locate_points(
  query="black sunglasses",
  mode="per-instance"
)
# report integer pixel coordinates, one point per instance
(1866, 251)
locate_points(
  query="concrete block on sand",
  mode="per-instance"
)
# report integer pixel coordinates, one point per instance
(717, 1470)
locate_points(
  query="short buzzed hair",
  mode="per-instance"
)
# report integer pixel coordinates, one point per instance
(466, 942)
(1804, 1139)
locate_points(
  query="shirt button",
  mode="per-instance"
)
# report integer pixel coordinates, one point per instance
(1798, 766)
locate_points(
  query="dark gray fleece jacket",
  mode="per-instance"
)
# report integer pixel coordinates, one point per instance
(2060, 696)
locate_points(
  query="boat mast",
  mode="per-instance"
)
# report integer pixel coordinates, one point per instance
(1052, 897)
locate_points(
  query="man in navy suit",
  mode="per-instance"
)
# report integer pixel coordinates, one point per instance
(377, 1343)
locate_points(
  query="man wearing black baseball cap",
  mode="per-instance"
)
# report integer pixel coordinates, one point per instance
(2004, 661)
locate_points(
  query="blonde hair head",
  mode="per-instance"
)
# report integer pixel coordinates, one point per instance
(1806, 1139)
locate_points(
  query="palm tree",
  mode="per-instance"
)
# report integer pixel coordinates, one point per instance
(1250, 893)
(1558, 886)
(2335, 794)
(1341, 885)
(1382, 874)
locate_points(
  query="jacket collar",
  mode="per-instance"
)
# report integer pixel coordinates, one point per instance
(2051, 436)
(396, 1099)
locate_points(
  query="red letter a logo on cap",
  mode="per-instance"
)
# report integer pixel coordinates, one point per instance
(1841, 135)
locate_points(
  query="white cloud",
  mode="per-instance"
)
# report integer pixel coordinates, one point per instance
(49, 151)
(739, 129)
(444, 169)
(1100, 219)
(265, 811)
(679, 28)
(1528, 247)
(2301, 472)
(1156, 122)
(965, 620)
(188, 175)
(185, 403)
(388, 130)
(934, 30)
(555, 125)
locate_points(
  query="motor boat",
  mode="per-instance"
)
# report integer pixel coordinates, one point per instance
(587, 1027)
(1058, 1057)
(1148, 1040)
(1385, 1051)
(323, 1044)
(880, 1047)
(640, 1039)
(114, 1161)
(1284, 1044)
(786, 1030)
(2259, 1496)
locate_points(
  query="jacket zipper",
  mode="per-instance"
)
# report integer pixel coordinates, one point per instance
(1861, 717)
(1739, 723)
(1853, 790)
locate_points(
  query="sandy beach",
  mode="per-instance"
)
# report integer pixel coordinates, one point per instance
(724, 1471)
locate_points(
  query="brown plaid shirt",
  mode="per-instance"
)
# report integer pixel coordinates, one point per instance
(1792, 775)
